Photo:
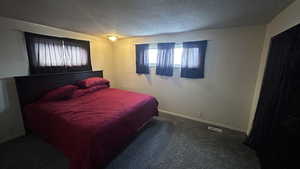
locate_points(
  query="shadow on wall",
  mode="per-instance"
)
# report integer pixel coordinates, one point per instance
(11, 123)
(176, 79)
(149, 79)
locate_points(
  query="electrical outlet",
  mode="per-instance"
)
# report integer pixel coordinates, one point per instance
(200, 114)
(196, 114)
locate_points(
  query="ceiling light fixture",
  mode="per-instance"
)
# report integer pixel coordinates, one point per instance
(112, 38)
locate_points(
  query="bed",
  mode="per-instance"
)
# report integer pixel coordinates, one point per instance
(91, 129)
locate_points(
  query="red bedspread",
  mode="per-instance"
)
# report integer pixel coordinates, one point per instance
(91, 129)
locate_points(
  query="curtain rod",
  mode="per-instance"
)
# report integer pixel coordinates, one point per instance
(154, 43)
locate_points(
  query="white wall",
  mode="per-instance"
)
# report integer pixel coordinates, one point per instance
(14, 62)
(223, 97)
(285, 20)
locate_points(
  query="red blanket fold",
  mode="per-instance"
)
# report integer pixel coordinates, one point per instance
(91, 129)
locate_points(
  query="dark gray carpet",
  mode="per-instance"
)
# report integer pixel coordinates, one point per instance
(168, 142)
(175, 143)
(31, 152)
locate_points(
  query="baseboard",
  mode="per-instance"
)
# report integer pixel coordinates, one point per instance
(12, 136)
(203, 121)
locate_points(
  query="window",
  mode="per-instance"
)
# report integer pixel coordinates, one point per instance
(152, 56)
(49, 54)
(193, 59)
(178, 55)
(152, 52)
(188, 56)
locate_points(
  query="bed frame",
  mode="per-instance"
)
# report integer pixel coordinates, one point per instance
(31, 88)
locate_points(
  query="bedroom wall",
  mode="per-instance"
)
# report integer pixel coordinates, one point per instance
(14, 62)
(223, 97)
(283, 21)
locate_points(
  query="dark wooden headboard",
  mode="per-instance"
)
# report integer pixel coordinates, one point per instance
(31, 88)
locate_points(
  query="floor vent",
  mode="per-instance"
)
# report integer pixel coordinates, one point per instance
(215, 129)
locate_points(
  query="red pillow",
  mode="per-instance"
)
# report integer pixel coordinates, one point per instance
(82, 92)
(60, 93)
(92, 81)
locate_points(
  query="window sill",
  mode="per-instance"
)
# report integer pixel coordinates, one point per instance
(175, 67)
(153, 67)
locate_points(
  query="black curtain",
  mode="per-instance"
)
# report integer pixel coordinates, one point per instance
(276, 111)
(165, 59)
(48, 54)
(192, 62)
(142, 58)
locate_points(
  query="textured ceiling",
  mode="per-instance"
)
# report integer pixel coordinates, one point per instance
(142, 17)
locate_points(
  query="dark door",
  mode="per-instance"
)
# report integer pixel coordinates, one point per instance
(275, 130)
